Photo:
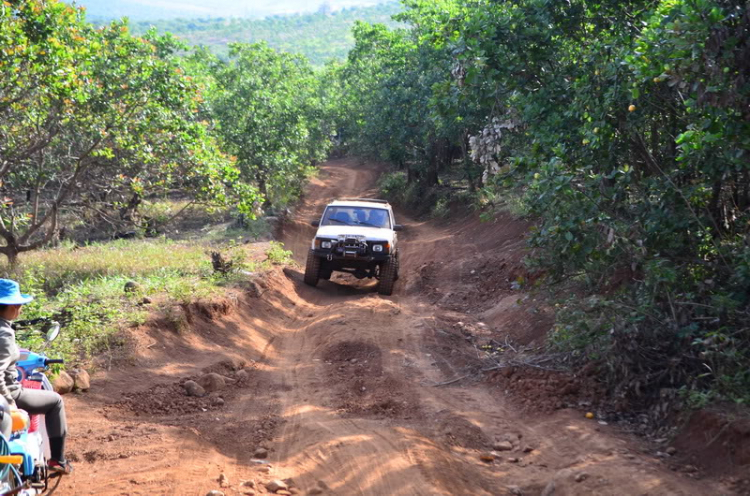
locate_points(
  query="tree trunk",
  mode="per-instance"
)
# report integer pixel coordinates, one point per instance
(128, 211)
(11, 253)
(433, 159)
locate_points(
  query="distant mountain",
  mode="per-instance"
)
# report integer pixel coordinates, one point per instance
(170, 9)
(320, 37)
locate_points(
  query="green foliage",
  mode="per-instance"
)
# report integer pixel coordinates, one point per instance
(268, 108)
(277, 255)
(318, 37)
(624, 128)
(393, 186)
(93, 120)
(83, 287)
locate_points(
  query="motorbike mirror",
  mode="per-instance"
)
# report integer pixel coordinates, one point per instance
(53, 332)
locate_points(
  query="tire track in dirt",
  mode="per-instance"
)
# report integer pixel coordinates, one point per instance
(341, 388)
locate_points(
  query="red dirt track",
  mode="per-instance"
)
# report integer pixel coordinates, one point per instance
(340, 385)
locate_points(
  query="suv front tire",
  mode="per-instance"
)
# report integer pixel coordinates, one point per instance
(388, 275)
(312, 269)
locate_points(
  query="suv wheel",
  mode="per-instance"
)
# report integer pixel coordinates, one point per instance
(312, 269)
(387, 276)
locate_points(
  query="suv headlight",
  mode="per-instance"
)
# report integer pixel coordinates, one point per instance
(377, 248)
(326, 245)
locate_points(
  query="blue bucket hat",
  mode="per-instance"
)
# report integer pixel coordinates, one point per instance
(10, 293)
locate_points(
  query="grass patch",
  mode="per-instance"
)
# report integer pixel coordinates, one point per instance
(85, 287)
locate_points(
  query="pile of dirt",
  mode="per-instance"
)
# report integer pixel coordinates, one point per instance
(718, 443)
(473, 285)
(544, 391)
(454, 430)
(173, 399)
(362, 388)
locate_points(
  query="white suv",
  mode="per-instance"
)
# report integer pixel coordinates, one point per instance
(357, 236)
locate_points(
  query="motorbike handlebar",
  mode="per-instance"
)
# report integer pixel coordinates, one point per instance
(31, 322)
(49, 361)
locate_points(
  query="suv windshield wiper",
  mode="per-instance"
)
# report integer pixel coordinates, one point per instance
(339, 220)
(367, 224)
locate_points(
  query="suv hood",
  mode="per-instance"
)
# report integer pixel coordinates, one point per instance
(371, 233)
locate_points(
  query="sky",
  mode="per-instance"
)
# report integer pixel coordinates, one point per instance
(165, 9)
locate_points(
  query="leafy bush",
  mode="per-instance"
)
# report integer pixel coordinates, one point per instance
(277, 255)
(393, 186)
(622, 126)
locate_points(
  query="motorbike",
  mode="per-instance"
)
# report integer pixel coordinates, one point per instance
(23, 457)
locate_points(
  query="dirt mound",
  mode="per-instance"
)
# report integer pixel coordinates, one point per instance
(172, 399)
(472, 285)
(165, 400)
(362, 387)
(457, 431)
(718, 443)
(544, 391)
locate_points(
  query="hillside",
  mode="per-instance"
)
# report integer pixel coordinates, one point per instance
(320, 37)
(147, 10)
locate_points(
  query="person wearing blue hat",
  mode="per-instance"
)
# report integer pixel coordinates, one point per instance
(34, 401)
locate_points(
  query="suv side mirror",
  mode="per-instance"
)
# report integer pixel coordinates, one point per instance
(398, 227)
(315, 223)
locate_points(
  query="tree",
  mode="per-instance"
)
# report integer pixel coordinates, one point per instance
(269, 114)
(96, 119)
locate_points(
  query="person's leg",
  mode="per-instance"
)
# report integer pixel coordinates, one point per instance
(49, 404)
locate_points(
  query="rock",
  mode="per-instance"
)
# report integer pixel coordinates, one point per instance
(81, 380)
(265, 469)
(214, 493)
(217, 400)
(528, 449)
(276, 485)
(146, 301)
(131, 287)
(284, 492)
(63, 383)
(582, 476)
(671, 451)
(487, 457)
(247, 483)
(242, 375)
(247, 491)
(212, 382)
(315, 490)
(224, 480)
(294, 490)
(513, 460)
(193, 389)
(290, 483)
(514, 490)
(549, 489)
(260, 453)
(503, 446)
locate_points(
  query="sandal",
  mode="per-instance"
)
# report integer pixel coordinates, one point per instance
(56, 467)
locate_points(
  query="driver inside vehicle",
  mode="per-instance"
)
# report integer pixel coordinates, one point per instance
(378, 218)
(33, 401)
(360, 215)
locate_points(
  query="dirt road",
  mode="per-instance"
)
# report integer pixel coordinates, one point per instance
(339, 385)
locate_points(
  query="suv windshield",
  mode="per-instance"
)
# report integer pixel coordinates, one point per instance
(356, 216)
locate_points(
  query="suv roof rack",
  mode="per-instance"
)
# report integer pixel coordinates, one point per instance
(373, 200)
